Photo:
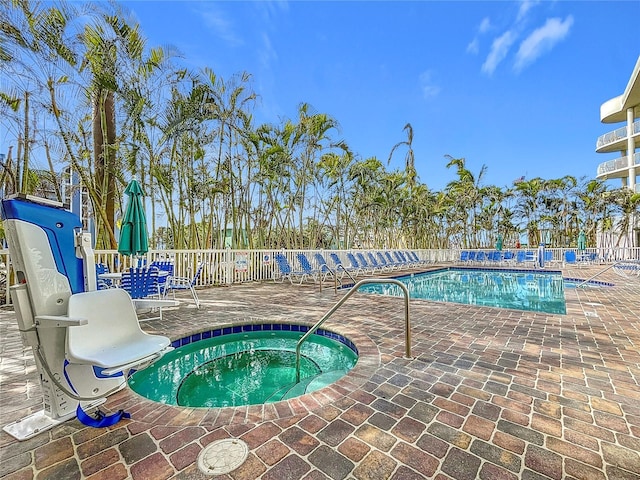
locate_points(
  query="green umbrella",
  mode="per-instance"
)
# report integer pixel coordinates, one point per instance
(499, 243)
(582, 240)
(134, 239)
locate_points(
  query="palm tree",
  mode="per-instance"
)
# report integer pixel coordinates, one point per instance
(468, 191)
(409, 159)
(529, 197)
(628, 207)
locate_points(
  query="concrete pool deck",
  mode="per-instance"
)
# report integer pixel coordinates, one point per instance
(488, 393)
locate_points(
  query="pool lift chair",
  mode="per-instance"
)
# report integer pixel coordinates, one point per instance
(85, 341)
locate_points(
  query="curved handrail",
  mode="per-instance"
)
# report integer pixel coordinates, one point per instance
(614, 265)
(354, 289)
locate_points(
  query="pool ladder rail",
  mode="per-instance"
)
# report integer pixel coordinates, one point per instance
(354, 289)
(613, 265)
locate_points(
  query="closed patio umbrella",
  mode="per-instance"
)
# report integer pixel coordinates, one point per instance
(134, 239)
(582, 240)
(499, 242)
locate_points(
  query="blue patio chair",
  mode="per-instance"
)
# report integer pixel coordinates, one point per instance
(364, 264)
(339, 266)
(286, 272)
(391, 261)
(355, 265)
(400, 258)
(494, 256)
(377, 265)
(142, 284)
(174, 284)
(165, 268)
(103, 283)
(570, 258)
(410, 259)
(307, 268)
(324, 268)
(384, 262)
(525, 256)
(481, 257)
(508, 258)
(416, 259)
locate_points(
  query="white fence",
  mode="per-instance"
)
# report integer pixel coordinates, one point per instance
(227, 267)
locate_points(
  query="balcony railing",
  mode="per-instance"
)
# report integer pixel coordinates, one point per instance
(617, 164)
(617, 134)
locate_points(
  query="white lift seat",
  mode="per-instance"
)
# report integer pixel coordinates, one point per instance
(112, 338)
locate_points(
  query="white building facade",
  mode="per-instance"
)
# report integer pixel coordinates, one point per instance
(625, 140)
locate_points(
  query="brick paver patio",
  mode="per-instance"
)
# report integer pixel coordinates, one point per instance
(489, 394)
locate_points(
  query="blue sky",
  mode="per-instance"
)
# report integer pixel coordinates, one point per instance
(516, 86)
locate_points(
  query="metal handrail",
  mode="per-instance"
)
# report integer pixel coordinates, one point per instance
(335, 286)
(354, 289)
(602, 271)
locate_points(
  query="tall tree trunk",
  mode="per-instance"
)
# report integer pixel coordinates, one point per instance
(104, 138)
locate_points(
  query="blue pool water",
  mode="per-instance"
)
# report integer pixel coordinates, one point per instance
(254, 365)
(521, 290)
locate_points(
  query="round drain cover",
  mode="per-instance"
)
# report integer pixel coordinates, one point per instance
(222, 456)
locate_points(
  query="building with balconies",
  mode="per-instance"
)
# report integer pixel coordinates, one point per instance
(624, 140)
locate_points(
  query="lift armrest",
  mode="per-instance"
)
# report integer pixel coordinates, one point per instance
(54, 321)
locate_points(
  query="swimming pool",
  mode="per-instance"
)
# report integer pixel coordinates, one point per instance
(517, 289)
(245, 365)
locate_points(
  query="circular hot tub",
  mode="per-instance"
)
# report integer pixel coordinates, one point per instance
(245, 365)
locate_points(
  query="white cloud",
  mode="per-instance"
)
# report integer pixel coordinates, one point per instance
(499, 49)
(525, 6)
(266, 53)
(542, 40)
(429, 89)
(474, 46)
(221, 26)
(485, 25)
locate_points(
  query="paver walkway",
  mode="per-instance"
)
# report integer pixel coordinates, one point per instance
(489, 394)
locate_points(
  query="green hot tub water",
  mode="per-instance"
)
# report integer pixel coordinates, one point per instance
(243, 369)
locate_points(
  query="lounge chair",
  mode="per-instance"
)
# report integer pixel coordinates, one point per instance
(384, 262)
(377, 265)
(364, 264)
(340, 267)
(305, 264)
(325, 269)
(174, 284)
(472, 256)
(416, 259)
(396, 264)
(286, 272)
(401, 259)
(627, 269)
(570, 258)
(355, 265)
(508, 258)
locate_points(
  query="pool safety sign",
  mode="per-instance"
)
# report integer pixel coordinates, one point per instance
(266, 259)
(241, 262)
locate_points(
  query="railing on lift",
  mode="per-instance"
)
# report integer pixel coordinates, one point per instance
(354, 289)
